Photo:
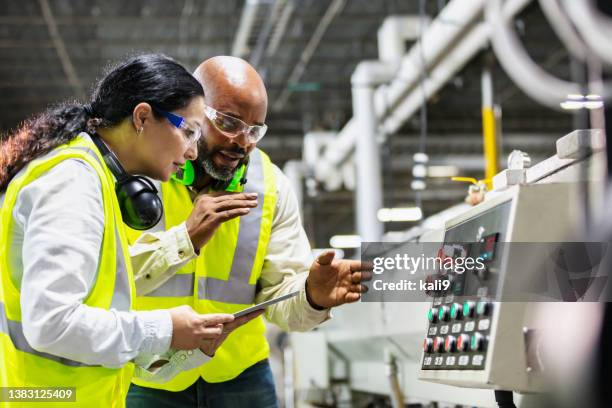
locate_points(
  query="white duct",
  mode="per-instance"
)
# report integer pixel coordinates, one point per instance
(294, 170)
(312, 148)
(245, 27)
(595, 27)
(533, 80)
(367, 76)
(448, 44)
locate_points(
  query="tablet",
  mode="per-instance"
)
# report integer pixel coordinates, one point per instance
(265, 304)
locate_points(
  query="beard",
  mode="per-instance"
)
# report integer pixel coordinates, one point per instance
(205, 156)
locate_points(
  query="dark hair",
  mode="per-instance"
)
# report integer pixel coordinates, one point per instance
(151, 78)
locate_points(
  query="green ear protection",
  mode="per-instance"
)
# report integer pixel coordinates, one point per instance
(186, 175)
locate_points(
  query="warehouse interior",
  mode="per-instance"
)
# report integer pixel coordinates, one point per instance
(376, 105)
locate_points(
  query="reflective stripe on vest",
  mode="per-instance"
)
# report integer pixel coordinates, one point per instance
(237, 288)
(121, 294)
(15, 333)
(226, 272)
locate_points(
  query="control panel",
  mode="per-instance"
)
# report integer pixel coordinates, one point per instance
(475, 337)
(460, 319)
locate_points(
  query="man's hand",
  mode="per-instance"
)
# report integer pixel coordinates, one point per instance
(335, 282)
(211, 210)
(189, 328)
(210, 346)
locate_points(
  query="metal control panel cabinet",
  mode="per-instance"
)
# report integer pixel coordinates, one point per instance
(472, 340)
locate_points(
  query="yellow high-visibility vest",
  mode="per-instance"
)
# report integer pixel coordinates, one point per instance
(20, 364)
(223, 277)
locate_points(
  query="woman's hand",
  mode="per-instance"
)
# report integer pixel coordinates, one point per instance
(210, 346)
(190, 329)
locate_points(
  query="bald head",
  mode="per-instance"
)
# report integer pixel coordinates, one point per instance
(231, 85)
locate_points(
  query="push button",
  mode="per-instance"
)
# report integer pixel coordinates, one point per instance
(478, 342)
(428, 345)
(463, 342)
(438, 345)
(468, 308)
(484, 308)
(443, 313)
(450, 344)
(432, 315)
(456, 311)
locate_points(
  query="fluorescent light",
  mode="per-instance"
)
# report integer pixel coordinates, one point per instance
(442, 171)
(400, 214)
(591, 101)
(577, 97)
(418, 185)
(572, 105)
(593, 104)
(345, 241)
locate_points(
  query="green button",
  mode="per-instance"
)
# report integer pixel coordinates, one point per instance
(454, 311)
(474, 343)
(466, 309)
(430, 315)
(441, 313)
(481, 307)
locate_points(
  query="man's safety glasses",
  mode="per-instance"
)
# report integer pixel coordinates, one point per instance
(232, 127)
(192, 134)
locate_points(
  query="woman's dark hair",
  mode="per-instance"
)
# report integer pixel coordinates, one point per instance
(151, 78)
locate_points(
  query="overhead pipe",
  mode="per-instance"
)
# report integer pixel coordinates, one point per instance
(294, 170)
(594, 26)
(392, 36)
(367, 76)
(533, 80)
(448, 44)
(240, 46)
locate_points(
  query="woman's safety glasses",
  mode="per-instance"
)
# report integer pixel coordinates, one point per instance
(192, 133)
(232, 127)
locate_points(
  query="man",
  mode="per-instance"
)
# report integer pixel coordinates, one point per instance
(252, 247)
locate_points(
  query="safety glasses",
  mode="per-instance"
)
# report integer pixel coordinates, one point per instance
(192, 134)
(232, 127)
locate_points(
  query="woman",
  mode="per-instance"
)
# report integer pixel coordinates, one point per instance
(65, 288)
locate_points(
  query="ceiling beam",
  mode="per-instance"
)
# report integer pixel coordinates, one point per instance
(60, 48)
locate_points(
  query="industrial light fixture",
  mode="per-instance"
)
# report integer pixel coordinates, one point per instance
(442, 171)
(579, 101)
(400, 214)
(345, 241)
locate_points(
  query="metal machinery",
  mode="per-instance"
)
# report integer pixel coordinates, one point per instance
(472, 344)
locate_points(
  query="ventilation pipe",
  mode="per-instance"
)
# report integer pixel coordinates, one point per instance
(447, 45)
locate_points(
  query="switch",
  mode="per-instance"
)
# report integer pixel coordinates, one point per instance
(478, 342)
(428, 345)
(450, 344)
(463, 342)
(468, 308)
(443, 313)
(484, 308)
(438, 345)
(432, 315)
(456, 311)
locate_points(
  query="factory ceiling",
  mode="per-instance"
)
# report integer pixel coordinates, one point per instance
(306, 50)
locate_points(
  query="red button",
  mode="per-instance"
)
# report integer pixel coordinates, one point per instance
(450, 344)
(438, 345)
(428, 345)
(463, 342)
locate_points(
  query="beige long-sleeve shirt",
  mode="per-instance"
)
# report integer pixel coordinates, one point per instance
(156, 256)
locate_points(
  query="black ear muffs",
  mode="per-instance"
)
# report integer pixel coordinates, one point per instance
(141, 208)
